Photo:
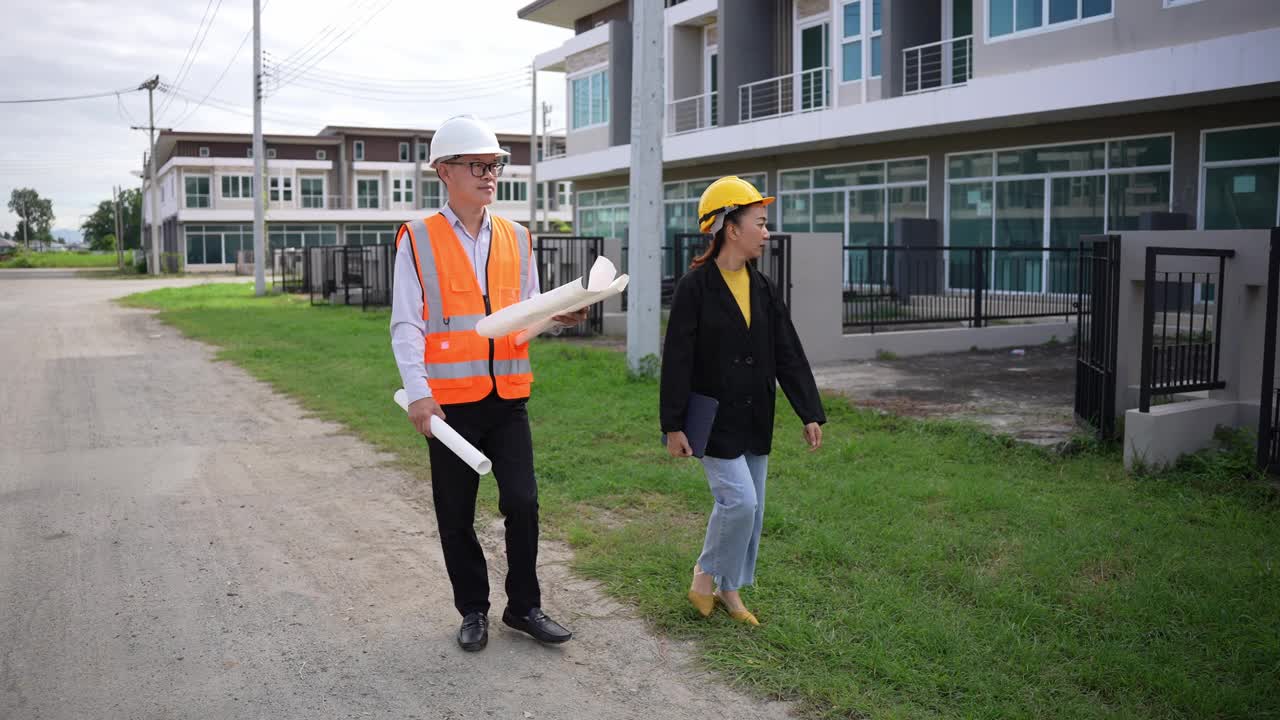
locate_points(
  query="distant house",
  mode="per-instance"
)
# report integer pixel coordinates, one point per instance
(8, 247)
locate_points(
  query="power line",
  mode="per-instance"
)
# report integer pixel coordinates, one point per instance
(314, 40)
(66, 98)
(410, 98)
(290, 75)
(405, 95)
(223, 74)
(189, 60)
(356, 82)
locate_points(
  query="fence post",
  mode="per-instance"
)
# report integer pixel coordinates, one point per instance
(979, 283)
(1265, 417)
(1148, 329)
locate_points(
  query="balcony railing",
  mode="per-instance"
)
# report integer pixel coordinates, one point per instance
(557, 147)
(804, 91)
(937, 65)
(692, 113)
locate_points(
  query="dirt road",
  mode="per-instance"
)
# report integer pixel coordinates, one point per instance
(176, 541)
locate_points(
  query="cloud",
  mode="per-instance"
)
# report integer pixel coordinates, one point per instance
(74, 152)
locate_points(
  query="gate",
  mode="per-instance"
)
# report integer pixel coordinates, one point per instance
(564, 258)
(1097, 325)
(775, 263)
(1269, 400)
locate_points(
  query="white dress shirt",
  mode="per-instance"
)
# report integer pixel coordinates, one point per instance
(408, 331)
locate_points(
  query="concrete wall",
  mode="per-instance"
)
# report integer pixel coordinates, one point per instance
(816, 309)
(1243, 299)
(684, 67)
(747, 55)
(1137, 25)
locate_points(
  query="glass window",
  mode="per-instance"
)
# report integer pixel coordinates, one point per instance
(213, 248)
(367, 193)
(395, 190)
(590, 99)
(197, 191)
(1019, 227)
(404, 152)
(287, 192)
(423, 153)
(1048, 159)
(1008, 16)
(432, 193)
(204, 152)
(1241, 197)
(875, 56)
(849, 175)
(312, 192)
(1245, 144)
(273, 189)
(673, 191)
(795, 213)
(195, 245)
(968, 225)
(970, 166)
(795, 180)
(1133, 195)
(237, 186)
(1141, 152)
(851, 42)
(357, 149)
(828, 211)
(875, 15)
(322, 155)
(909, 170)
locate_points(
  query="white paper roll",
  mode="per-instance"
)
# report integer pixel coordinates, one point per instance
(451, 439)
(525, 314)
(541, 326)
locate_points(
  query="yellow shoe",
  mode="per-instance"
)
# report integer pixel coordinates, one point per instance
(742, 614)
(704, 604)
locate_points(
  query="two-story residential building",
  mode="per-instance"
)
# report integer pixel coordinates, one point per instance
(1014, 123)
(344, 185)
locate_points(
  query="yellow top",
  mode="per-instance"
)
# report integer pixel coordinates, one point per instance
(739, 282)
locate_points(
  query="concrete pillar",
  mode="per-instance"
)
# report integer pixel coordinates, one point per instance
(817, 261)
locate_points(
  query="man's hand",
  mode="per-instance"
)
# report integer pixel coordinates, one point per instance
(573, 318)
(420, 412)
(813, 435)
(678, 445)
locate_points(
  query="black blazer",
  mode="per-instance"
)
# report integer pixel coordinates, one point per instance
(710, 350)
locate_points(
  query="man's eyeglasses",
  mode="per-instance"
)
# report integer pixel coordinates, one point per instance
(480, 169)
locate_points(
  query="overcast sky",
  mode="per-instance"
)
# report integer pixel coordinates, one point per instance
(445, 56)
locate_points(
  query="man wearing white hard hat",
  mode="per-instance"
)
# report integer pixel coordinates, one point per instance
(452, 269)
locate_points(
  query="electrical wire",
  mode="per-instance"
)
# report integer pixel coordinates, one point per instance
(200, 103)
(184, 70)
(290, 74)
(67, 98)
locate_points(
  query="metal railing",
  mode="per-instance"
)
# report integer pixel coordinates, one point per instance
(563, 258)
(336, 274)
(558, 147)
(804, 91)
(891, 286)
(692, 113)
(937, 65)
(1181, 359)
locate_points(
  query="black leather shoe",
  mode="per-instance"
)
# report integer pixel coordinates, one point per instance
(538, 625)
(474, 633)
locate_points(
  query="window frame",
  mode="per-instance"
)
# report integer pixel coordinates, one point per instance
(1045, 26)
(203, 151)
(187, 194)
(322, 155)
(1202, 177)
(404, 152)
(242, 186)
(302, 192)
(860, 38)
(357, 150)
(271, 153)
(376, 197)
(586, 74)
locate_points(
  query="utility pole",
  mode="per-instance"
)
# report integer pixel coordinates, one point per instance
(646, 222)
(115, 203)
(150, 86)
(546, 190)
(259, 154)
(26, 227)
(533, 151)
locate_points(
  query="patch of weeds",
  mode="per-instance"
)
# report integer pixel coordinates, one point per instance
(886, 355)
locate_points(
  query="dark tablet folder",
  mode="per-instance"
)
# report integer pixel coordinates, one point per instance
(698, 420)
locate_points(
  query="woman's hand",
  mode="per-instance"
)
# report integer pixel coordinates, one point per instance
(813, 436)
(678, 445)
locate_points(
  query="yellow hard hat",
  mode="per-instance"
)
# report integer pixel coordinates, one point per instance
(723, 197)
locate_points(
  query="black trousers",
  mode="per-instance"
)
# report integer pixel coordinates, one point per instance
(500, 429)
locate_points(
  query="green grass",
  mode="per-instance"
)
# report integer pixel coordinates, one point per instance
(908, 570)
(62, 260)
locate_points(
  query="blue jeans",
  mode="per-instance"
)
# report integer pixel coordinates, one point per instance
(733, 533)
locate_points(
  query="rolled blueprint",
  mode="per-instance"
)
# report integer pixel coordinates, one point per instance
(451, 439)
(541, 326)
(532, 311)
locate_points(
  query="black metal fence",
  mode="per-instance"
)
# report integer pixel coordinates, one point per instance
(1181, 326)
(888, 286)
(336, 274)
(684, 247)
(564, 258)
(1097, 334)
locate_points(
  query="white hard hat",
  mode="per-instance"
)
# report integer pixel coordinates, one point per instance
(463, 135)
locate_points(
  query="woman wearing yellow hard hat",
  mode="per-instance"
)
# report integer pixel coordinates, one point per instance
(729, 344)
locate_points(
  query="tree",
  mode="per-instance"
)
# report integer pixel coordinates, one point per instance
(35, 213)
(102, 223)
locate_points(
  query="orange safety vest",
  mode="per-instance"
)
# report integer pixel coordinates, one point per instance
(462, 366)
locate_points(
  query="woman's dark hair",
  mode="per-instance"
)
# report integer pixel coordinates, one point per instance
(717, 240)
